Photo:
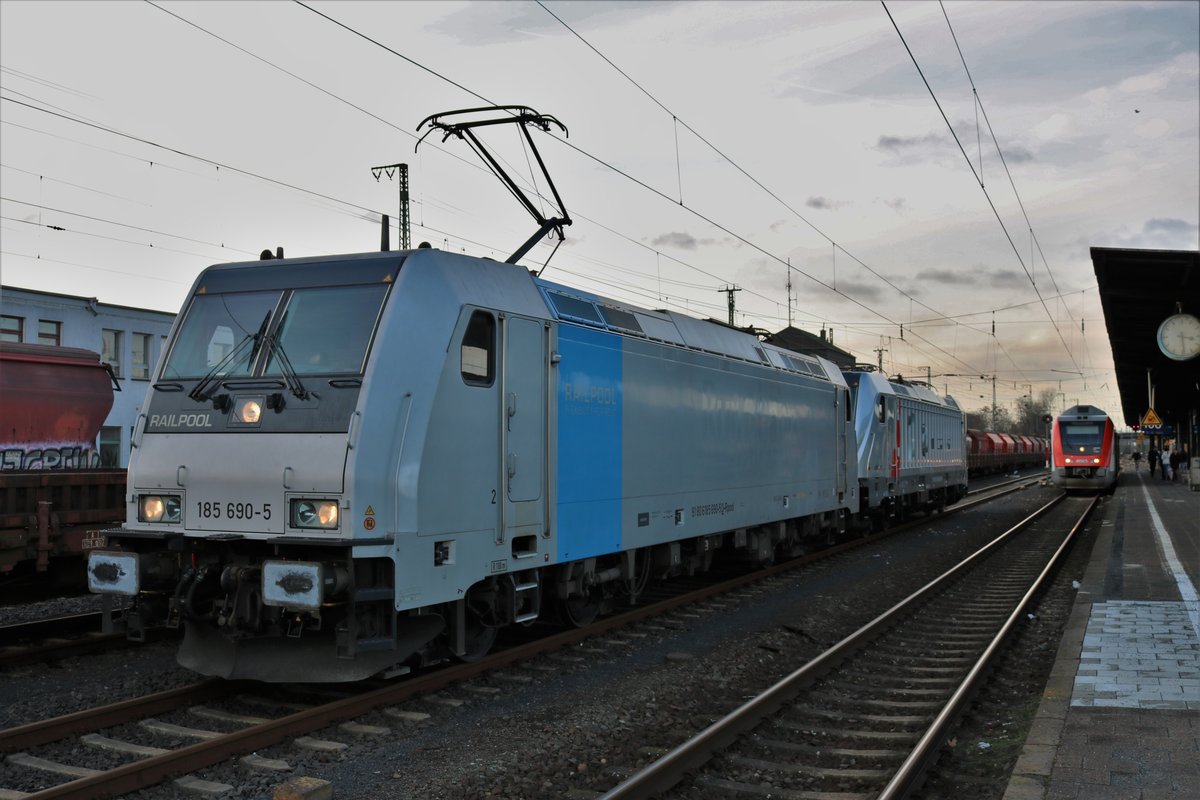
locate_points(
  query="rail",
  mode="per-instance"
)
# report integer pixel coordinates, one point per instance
(666, 772)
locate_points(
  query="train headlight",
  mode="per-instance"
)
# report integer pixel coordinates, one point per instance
(315, 514)
(160, 508)
(1095, 461)
(249, 412)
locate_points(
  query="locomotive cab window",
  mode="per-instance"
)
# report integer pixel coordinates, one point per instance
(327, 330)
(318, 330)
(479, 350)
(215, 327)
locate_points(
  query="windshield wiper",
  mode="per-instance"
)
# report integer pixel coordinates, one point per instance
(200, 392)
(290, 378)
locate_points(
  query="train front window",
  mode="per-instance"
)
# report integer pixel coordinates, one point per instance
(216, 326)
(1082, 437)
(327, 330)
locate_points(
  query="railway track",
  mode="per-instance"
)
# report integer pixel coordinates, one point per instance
(867, 717)
(54, 638)
(95, 728)
(77, 634)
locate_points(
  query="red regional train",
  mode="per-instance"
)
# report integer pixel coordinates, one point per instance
(1085, 456)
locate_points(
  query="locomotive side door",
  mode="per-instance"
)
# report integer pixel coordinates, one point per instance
(523, 427)
(842, 415)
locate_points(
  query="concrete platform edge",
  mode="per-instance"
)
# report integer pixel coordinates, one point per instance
(1030, 779)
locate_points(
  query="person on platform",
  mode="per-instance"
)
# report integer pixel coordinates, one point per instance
(1176, 458)
(1153, 459)
(1166, 463)
(1137, 461)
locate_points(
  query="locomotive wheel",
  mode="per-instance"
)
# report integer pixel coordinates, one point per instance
(479, 638)
(582, 611)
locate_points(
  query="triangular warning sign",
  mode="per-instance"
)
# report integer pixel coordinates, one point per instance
(370, 512)
(1151, 420)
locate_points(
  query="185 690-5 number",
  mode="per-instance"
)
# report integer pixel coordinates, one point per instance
(216, 509)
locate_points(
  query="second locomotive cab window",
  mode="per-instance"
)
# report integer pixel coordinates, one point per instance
(479, 350)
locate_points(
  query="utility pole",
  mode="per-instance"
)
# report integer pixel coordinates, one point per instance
(729, 290)
(879, 351)
(993, 402)
(789, 291)
(400, 171)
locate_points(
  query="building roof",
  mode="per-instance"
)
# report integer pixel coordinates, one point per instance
(1138, 290)
(801, 341)
(81, 300)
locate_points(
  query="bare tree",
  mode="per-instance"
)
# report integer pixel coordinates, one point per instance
(982, 420)
(1031, 410)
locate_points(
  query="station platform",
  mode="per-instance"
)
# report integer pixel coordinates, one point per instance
(1120, 716)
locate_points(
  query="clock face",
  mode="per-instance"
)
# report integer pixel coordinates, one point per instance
(1179, 337)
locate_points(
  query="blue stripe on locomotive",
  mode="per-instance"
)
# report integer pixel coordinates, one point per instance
(589, 443)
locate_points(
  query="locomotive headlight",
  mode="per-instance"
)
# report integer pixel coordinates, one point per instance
(1095, 461)
(315, 514)
(159, 508)
(249, 412)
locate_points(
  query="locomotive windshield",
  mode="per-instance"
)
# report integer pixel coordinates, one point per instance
(1082, 437)
(327, 330)
(317, 330)
(215, 326)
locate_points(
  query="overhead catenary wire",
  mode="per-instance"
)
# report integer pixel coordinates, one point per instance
(680, 261)
(677, 121)
(978, 180)
(637, 181)
(999, 150)
(375, 116)
(293, 187)
(127, 225)
(484, 99)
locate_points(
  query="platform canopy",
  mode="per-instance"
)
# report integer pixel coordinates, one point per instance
(1138, 290)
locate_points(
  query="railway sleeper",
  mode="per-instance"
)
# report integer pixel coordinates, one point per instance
(815, 751)
(834, 773)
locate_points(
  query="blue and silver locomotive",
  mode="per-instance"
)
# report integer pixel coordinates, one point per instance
(350, 464)
(911, 446)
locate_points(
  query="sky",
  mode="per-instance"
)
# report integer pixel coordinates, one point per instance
(708, 145)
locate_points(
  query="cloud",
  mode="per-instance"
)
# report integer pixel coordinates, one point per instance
(1159, 233)
(903, 145)
(941, 147)
(865, 292)
(1017, 154)
(948, 276)
(682, 240)
(824, 203)
(1007, 279)
(895, 204)
(498, 23)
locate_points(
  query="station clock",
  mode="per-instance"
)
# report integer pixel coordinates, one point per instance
(1179, 337)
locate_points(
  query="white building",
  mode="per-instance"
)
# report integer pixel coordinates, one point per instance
(129, 339)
